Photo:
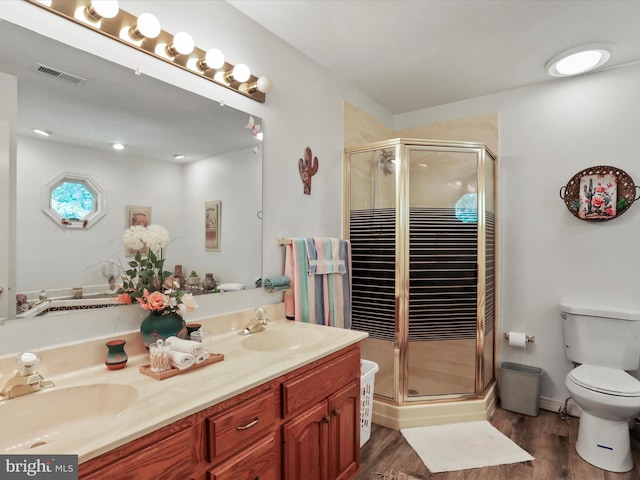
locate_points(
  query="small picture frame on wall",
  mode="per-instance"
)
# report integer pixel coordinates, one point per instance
(137, 215)
(212, 217)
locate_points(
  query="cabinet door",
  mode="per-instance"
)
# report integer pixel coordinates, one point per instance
(344, 432)
(305, 445)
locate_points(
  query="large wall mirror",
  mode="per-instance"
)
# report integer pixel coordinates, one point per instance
(182, 152)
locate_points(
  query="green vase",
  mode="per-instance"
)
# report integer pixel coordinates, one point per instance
(155, 327)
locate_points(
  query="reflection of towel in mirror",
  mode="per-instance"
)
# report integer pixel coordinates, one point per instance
(230, 287)
(181, 360)
(202, 356)
(185, 346)
(277, 283)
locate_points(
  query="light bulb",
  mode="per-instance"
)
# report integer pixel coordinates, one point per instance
(182, 44)
(578, 62)
(241, 73)
(147, 26)
(103, 9)
(264, 84)
(214, 58)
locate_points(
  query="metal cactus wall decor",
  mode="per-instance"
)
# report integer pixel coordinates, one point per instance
(308, 167)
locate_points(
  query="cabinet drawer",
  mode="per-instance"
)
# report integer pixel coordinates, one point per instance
(257, 463)
(305, 390)
(172, 459)
(242, 425)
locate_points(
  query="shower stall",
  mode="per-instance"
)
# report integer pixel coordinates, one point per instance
(421, 218)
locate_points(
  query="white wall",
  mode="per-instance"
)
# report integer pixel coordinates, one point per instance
(548, 133)
(239, 260)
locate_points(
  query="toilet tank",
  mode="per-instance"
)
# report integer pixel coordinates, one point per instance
(601, 336)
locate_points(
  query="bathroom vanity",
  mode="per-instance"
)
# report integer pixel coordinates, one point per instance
(283, 404)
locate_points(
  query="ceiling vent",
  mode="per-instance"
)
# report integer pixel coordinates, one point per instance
(54, 72)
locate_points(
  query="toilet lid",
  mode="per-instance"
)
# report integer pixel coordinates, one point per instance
(606, 380)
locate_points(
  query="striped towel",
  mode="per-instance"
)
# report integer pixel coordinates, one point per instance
(322, 298)
(323, 256)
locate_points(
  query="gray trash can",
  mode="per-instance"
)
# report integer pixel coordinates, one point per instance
(519, 388)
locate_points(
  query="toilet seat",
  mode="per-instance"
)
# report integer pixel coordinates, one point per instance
(609, 381)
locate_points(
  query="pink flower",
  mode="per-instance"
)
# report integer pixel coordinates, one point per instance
(600, 189)
(598, 201)
(609, 211)
(124, 298)
(155, 300)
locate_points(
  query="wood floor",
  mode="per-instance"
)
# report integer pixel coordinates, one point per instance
(547, 437)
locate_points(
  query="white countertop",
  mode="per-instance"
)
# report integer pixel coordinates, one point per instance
(158, 402)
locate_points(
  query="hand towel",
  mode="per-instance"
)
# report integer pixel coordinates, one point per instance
(185, 346)
(277, 283)
(230, 287)
(181, 360)
(202, 356)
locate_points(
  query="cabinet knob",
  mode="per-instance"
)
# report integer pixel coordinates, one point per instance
(336, 412)
(327, 419)
(249, 425)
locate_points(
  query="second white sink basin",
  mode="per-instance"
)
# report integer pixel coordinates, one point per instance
(280, 340)
(40, 418)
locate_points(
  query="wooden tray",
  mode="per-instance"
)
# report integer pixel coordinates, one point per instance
(146, 369)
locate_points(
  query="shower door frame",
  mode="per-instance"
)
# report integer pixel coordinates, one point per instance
(402, 147)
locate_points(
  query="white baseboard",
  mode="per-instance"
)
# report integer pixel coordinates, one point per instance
(553, 405)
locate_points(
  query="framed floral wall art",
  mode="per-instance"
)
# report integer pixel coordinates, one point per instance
(137, 215)
(212, 219)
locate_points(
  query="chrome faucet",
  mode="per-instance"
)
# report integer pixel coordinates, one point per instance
(257, 323)
(26, 380)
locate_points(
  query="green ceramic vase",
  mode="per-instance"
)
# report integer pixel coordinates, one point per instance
(155, 327)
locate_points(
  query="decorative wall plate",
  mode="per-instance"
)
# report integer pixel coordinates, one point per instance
(599, 193)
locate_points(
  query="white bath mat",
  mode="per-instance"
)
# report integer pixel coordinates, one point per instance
(460, 446)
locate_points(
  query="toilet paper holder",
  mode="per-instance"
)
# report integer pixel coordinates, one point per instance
(530, 338)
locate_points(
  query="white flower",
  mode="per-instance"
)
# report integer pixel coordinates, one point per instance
(156, 237)
(133, 237)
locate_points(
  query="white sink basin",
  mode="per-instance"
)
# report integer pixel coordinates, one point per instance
(280, 340)
(40, 418)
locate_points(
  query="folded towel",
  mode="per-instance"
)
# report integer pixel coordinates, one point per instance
(229, 287)
(202, 356)
(185, 346)
(277, 283)
(181, 360)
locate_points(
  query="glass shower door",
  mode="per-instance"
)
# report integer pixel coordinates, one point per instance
(442, 217)
(372, 231)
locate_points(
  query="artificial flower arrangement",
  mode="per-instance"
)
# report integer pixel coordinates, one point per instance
(146, 282)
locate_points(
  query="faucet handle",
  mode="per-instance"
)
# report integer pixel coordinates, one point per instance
(26, 361)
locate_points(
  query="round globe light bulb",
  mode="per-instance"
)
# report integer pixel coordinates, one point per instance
(183, 43)
(241, 73)
(214, 58)
(148, 25)
(264, 84)
(105, 8)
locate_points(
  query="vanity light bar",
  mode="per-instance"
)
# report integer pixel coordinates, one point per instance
(162, 46)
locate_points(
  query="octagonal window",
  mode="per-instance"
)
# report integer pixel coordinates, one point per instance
(74, 201)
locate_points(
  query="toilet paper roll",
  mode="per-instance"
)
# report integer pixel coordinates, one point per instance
(518, 339)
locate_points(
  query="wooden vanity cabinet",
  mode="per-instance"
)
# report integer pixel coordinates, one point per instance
(304, 425)
(321, 439)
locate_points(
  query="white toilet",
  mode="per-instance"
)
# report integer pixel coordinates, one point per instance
(605, 343)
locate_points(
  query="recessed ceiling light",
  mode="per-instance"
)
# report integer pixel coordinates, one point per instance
(579, 60)
(44, 133)
(118, 146)
(178, 156)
